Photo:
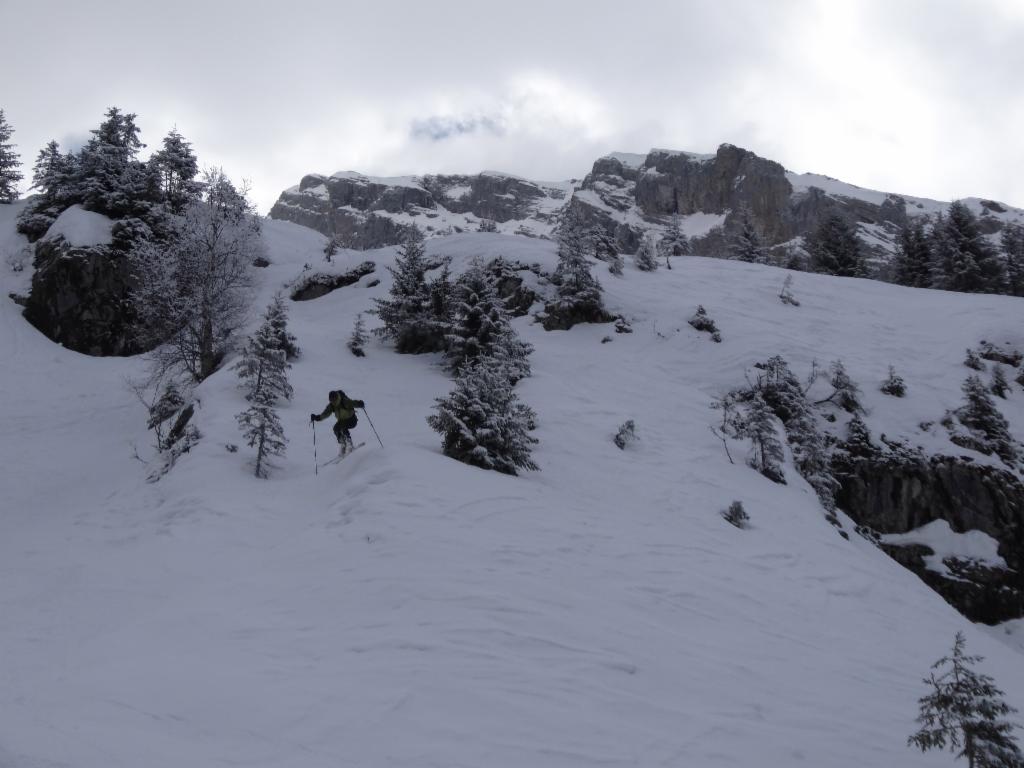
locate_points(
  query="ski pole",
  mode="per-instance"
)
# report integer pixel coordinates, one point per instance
(373, 428)
(316, 466)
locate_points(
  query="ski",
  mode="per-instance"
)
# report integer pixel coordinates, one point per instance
(339, 458)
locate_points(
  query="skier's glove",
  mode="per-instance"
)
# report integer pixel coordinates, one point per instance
(312, 418)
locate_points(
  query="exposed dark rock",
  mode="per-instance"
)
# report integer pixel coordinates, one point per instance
(510, 285)
(351, 208)
(315, 285)
(80, 299)
(561, 318)
(896, 491)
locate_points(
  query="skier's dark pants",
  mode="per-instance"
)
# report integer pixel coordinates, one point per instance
(341, 430)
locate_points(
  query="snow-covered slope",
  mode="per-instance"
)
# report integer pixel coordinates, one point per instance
(402, 609)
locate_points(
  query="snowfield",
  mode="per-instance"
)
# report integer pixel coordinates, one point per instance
(403, 609)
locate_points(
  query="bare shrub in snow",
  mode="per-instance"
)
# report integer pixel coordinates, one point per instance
(973, 361)
(894, 384)
(736, 515)
(626, 435)
(786, 294)
(845, 393)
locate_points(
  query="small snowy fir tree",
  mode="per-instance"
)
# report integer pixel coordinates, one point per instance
(262, 371)
(277, 318)
(407, 314)
(626, 435)
(786, 294)
(845, 393)
(702, 322)
(10, 163)
(736, 515)
(858, 438)
(999, 386)
(894, 384)
(980, 415)
(973, 361)
(767, 454)
(358, 338)
(745, 244)
(782, 390)
(965, 712)
(330, 249)
(481, 328)
(579, 293)
(606, 249)
(646, 257)
(483, 423)
(673, 242)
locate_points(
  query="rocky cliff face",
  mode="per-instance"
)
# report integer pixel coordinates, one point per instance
(79, 297)
(626, 195)
(893, 492)
(364, 212)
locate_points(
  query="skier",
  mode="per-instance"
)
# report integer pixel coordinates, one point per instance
(344, 410)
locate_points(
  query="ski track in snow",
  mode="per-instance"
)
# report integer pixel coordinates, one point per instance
(402, 609)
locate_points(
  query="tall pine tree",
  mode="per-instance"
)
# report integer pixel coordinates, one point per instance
(1012, 241)
(964, 260)
(262, 370)
(966, 712)
(176, 168)
(835, 248)
(745, 244)
(408, 313)
(913, 263)
(10, 163)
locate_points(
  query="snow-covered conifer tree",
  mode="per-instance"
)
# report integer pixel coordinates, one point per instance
(979, 414)
(646, 257)
(972, 360)
(408, 314)
(277, 318)
(176, 168)
(483, 423)
(999, 386)
(673, 242)
(10, 163)
(1012, 241)
(744, 243)
(964, 260)
(786, 294)
(579, 293)
(894, 384)
(845, 392)
(835, 248)
(913, 260)
(759, 425)
(966, 712)
(262, 370)
(358, 338)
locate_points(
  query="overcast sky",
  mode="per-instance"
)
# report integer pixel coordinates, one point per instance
(924, 97)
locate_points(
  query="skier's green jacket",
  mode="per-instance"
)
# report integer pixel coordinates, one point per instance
(343, 408)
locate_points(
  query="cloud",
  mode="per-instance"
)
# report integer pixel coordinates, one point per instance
(441, 127)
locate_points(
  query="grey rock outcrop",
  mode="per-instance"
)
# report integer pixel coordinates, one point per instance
(893, 491)
(357, 211)
(79, 298)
